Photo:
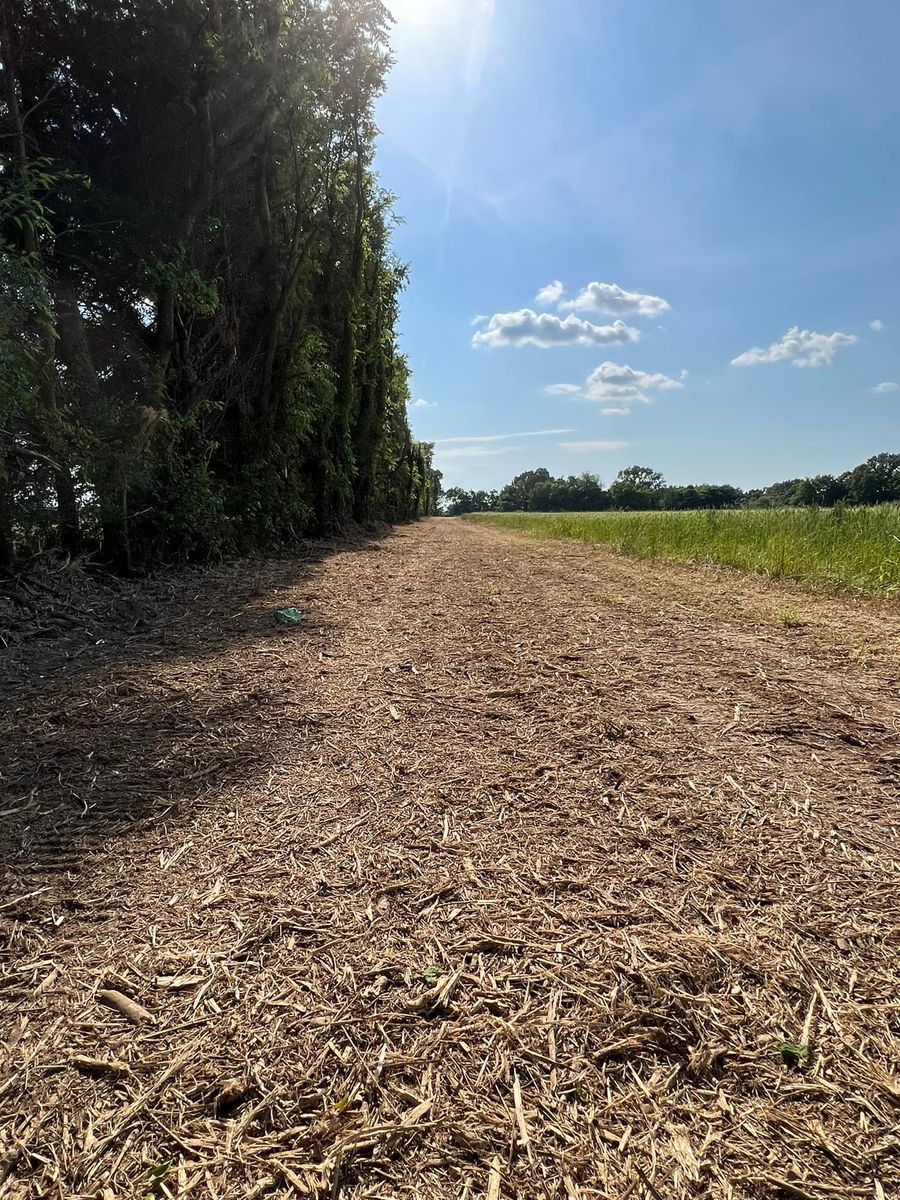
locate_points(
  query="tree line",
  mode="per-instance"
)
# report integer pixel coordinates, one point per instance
(198, 296)
(876, 481)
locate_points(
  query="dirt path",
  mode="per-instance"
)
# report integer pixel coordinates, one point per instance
(520, 870)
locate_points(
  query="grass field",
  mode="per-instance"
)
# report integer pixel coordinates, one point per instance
(853, 547)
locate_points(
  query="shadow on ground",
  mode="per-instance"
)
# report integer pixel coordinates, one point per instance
(185, 694)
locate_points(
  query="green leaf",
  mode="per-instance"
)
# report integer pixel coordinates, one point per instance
(289, 616)
(793, 1054)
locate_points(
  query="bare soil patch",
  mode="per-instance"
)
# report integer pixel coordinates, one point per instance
(519, 869)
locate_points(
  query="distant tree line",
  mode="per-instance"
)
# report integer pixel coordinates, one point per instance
(198, 296)
(876, 481)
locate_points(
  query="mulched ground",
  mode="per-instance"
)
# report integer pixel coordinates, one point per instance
(518, 870)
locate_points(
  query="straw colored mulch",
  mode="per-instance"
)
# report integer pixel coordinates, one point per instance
(517, 870)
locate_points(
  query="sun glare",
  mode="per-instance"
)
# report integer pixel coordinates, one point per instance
(421, 14)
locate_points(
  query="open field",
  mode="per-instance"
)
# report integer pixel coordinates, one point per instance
(845, 547)
(521, 869)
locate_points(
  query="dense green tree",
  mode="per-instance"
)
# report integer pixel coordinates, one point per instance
(198, 297)
(876, 481)
(699, 496)
(576, 493)
(819, 490)
(777, 495)
(636, 488)
(457, 502)
(516, 496)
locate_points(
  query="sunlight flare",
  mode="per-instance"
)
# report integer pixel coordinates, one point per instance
(421, 14)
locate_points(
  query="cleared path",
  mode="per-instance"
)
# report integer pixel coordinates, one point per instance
(518, 870)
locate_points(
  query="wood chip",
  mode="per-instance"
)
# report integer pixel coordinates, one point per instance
(125, 1005)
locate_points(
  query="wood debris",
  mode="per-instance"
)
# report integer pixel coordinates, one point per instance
(542, 932)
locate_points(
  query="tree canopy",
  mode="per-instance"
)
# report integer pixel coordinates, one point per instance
(637, 488)
(198, 295)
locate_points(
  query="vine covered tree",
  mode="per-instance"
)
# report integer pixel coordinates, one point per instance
(198, 296)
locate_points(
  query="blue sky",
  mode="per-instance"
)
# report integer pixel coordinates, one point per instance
(708, 181)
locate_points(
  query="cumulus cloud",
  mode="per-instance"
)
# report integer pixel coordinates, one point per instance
(421, 403)
(885, 389)
(552, 293)
(619, 386)
(800, 347)
(613, 301)
(575, 446)
(562, 389)
(618, 381)
(528, 328)
(876, 325)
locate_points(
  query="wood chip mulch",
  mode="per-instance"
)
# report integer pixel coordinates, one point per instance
(516, 870)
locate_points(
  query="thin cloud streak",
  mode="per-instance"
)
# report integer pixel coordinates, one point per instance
(504, 437)
(469, 452)
(576, 446)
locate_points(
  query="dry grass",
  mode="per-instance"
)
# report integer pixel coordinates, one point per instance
(476, 886)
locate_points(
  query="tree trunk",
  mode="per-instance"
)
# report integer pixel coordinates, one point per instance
(114, 525)
(67, 515)
(7, 545)
(20, 150)
(280, 289)
(372, 402)
(347, 393)
(68, 524)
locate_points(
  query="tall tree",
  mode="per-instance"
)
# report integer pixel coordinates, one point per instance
(212, 358)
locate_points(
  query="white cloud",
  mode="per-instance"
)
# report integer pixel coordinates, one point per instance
(876, 325)
(470, 452)
(480, 319)
(619, 381)
(610, 299)
(800, 347)
(884, 389)
(528, 328)
(562, 389)
(621, 386)
(575, 446)
(552, 293)
(503, 437)
(421, 403)
(616, 412)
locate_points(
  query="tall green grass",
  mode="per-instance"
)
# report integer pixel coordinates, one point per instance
(842, 547)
